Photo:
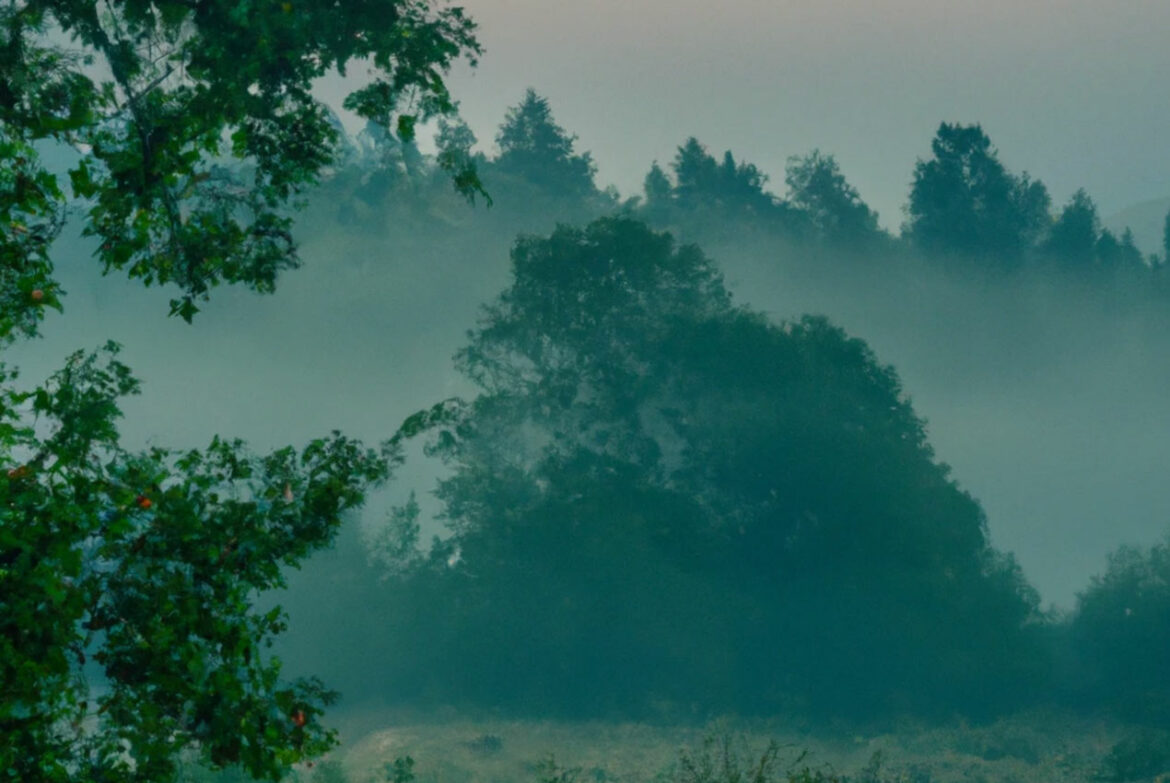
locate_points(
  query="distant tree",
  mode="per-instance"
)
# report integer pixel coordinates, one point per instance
(1131, 255)
(696, 174)
(835, 210)
(728, 188)
(1115, 254)
(1166, 239)
(1073, 236)
(714, 507)
(658, 190)
(534, 147)
(741, 186)
(963, 201)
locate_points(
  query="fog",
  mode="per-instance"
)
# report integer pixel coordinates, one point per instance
(660, 502)
(1047, 400)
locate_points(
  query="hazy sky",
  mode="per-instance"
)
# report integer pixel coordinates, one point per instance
(1074, 91)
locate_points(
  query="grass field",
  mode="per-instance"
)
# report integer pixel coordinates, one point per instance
(1036, 746)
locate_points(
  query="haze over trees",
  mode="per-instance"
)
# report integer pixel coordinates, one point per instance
(661, 497)
(631, 421)
(658, 498)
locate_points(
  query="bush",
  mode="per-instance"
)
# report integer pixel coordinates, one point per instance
(1119, 636)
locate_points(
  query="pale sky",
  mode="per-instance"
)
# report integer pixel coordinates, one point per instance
(1074, 91)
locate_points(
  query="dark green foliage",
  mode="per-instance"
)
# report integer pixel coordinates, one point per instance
(1115, 254)
(535, 148)
(147, 564)
(661, 497)
(454, 141)
(733, 189)
(1073, 236)
(659, 192)
(1121, 632)
(190, 85)
(963, 201)
(1077, 242)
(722, 197)
(834, 209)
(140, 569)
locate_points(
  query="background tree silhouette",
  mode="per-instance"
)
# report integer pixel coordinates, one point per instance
(963, 201)
(834, 209)
(1074, 233)
(534, 147)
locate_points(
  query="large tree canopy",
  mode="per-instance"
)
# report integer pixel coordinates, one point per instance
(715, 507)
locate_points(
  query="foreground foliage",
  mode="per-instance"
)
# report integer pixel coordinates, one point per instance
(148, 563)
(128, 579)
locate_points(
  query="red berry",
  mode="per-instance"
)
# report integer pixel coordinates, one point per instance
(143, 502)
(37, 295)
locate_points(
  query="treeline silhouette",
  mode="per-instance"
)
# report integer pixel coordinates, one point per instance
(662, 502)
(964, 209)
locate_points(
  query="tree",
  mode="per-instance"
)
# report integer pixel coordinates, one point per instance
(534, 147)
(1073, 236)
(1166, 239)
(658, 190)
(696, 173)
(715, 507)
(455, 141)
(963, 201)
(732, 189)
(1115, 254)
(836, 211)
(146, 563)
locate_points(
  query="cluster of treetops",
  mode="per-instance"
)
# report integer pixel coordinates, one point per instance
(964, 205)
